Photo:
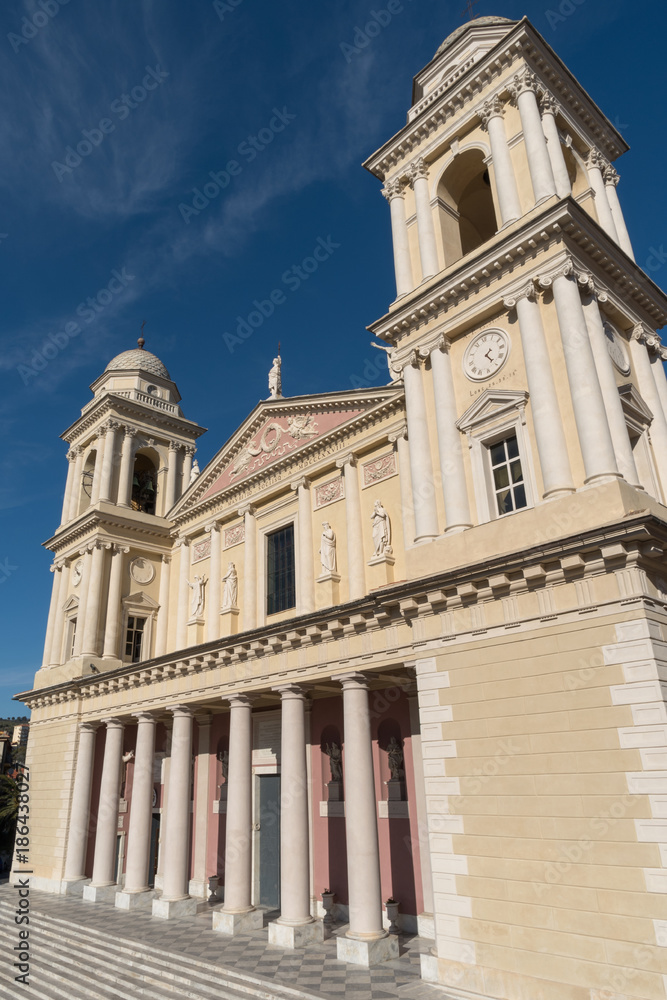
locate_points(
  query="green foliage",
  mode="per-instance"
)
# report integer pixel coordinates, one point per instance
(9, 803)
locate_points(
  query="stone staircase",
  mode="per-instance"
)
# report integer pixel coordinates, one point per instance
(70, 962)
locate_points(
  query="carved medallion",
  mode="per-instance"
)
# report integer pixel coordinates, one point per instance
(142, 571)
(77, 572)
(617, 349)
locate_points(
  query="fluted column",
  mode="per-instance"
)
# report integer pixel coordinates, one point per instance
(306, 572)
(295, 926)
(55, 653)
(126, 467)
(110, 438)
(238, 914)
(421, 466)
(188, 455)
(72, 455)
(183, 546)
(104, 862)
(550, 109)
(114, 605)
(249, 568)
(393, 192)
(524, 91)
(201, 807)
(172, 471)
(428, 251)
(611, 179)
(356, 572)
(91, 638)
(589, 411)
(56, 568)
(400, 442)
(641, 337)
(99, 465)
(141, 811)
(77, 836)
(87, 555)
(75, 494)
(361, 832)
(612, 400)
(547, 419)
(176, 864)
(455, 490)
(595, 165)
(163, 611)
(492, 116)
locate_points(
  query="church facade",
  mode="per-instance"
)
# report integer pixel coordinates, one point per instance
(396, 644)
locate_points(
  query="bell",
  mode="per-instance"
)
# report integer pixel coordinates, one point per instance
(149, 486)
(135, 481)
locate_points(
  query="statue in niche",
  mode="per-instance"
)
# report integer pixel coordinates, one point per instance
(194, 472)
(125, 759)
(328, 548)
(333, 752)
(230, 594)
(223, 757)
(197, 602)
(381, 530)
(275, 379)
(395, 759)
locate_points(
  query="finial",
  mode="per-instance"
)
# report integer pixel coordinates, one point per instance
(141, 340)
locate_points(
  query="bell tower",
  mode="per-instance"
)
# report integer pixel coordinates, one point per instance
(130, 459)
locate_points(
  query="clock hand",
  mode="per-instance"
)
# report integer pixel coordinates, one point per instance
(487, 355)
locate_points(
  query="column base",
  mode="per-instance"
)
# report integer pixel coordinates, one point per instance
(100, 893)
(295, 936)
(369, 952)
(237, 923)
(603, 477)
(74, 887)
(135, 900)
(456, 529)
(198, 888)
(558, 492)
(168, 909)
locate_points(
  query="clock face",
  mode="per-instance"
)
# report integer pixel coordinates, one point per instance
(486, 354)
(617, 349)
(77, 572)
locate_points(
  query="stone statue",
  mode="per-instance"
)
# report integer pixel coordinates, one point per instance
(223, 757)
(395, 759)
(328, 548)
(275, 379)
(194, 472)
(230, 594)
(333, 752)
(197, 603)
(381, 530)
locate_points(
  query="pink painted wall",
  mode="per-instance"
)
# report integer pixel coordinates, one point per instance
(215, 852)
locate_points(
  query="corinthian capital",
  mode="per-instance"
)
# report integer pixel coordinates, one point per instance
(548, 103)
(595, 159)
(610, 175)
(493, 108)
(392, 189)
(523, 81)
(418, 170)
(527, 291)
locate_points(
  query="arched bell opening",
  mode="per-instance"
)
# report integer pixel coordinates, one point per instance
(145, 482)
(465, 201)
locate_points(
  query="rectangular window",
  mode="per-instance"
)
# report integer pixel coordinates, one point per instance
(71, 638)
(134, 638)
(280, 576)
(508, 485)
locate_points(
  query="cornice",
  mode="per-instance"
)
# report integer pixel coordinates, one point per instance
(108, 518)
(130, 409)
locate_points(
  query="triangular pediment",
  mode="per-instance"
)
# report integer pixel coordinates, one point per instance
(490, 404)
(141, 600)
(276, 430)
(71, 604)
(634, 405)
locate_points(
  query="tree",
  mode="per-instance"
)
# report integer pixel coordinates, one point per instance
(9, 803)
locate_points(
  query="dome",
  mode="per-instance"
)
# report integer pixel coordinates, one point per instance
(138, 358)
(478, 22)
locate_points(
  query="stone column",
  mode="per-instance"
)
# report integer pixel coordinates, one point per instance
(355, 543)
(183, 593)
(99, 465)
(595, 165)
(214, 599)
(425, 920)
(83, 599)
(56, 568)
(454, 487)
(524, 91)
(589, 413)
(189, 454)
(295, 926)
(91, 638)
(103, 883)
(393, 192)
(136, 892)
(421, 467)
(249, 568)
(75, 495)
(550, 109)
(114, 603)
(70, 484)
(611, 180)
(163, 611)
(106, 482)
(201, 807)
(400, 441)
(428, 251)
(77, 837)
(126, 467)
(491, 115)
(55, 653)
(641, 337)
(238, 915)
(366, 942)
(612, 400)
(547, 419)
(175, 901)
(172, 471)
(658, 358)
(305, 574)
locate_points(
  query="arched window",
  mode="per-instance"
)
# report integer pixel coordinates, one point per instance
(86, 487)
(144, 484)
(465, 201)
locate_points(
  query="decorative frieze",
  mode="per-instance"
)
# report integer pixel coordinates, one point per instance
(378, 470)
(234, 535)
(329, 492)
(201, 549)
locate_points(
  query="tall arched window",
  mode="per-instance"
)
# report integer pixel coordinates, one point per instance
(465, 200)
(144, 484)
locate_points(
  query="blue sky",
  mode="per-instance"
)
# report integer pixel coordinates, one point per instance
(274, 89)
